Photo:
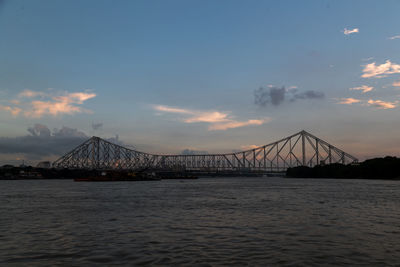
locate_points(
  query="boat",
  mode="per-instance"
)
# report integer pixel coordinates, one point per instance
(118, 177)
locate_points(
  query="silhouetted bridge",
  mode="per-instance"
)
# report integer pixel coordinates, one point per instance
(300, 149)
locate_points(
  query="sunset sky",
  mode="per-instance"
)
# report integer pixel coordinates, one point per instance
(215, 76)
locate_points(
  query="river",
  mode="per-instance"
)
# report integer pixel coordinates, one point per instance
(207, 222)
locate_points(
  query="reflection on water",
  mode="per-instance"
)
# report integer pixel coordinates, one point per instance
(209, 221)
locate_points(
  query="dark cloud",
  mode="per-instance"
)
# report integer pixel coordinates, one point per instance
(97, 126)
(193, 152)
(41, 142)
(115, 140)
(68, 132)
(310, 94)
(278, 95)
(39, 130)
(272, 95)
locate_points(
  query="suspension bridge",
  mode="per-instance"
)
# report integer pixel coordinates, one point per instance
(300, 149)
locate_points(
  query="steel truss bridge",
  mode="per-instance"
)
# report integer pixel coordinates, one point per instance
(300, 149)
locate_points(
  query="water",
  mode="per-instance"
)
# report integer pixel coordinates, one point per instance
(208, 222)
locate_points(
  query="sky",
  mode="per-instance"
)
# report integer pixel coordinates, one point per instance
(207, 76)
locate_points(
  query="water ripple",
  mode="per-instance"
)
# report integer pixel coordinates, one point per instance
(205, 222)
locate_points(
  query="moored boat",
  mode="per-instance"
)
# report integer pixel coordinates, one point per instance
(117, 177)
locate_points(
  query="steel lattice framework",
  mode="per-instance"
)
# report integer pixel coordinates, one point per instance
(300, 149)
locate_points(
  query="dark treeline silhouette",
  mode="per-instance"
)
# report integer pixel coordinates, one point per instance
(9, 172)
(377, 168)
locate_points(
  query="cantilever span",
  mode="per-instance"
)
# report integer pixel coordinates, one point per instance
(300, 149)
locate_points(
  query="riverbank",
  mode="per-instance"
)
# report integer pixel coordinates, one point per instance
(387, 168)
(34, 173)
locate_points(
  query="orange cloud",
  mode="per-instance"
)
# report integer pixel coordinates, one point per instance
(348, 31)
(348, 101)
(66, 103)
(363, 88)
(40, 108)
(197, 116)
(213, 116)
(172, 110)
(382, 104)
(235, 124)
(379, 71)
(77, 98)
(218, 120)
(396, 83)
(13, 110)
(248, 147)
(30, 94)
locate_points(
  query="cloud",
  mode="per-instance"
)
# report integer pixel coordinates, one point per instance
(39, 130)
(15, 111)
(235, 124)
(273, 95)
(363, 88)
(396, 83)
(368, 59)
(310, 94)
(41, 108)
(350, 31)
(33, 104)
(211, 117)
(249, 147)
(373, 103)
(379, 71)
(394, 37)
(195, 116)
(382, 104)
(218, 120)
(115, 140)
(348, 101)
(172, 110)
(77, 98)
(97, 126)
(188, 151)
(30, 94)
(277, 95)
(68, 132)
(40, 142)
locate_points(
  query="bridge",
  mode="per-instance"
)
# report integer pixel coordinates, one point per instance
(300, 149)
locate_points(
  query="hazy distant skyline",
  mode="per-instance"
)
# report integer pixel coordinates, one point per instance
(215, 76)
